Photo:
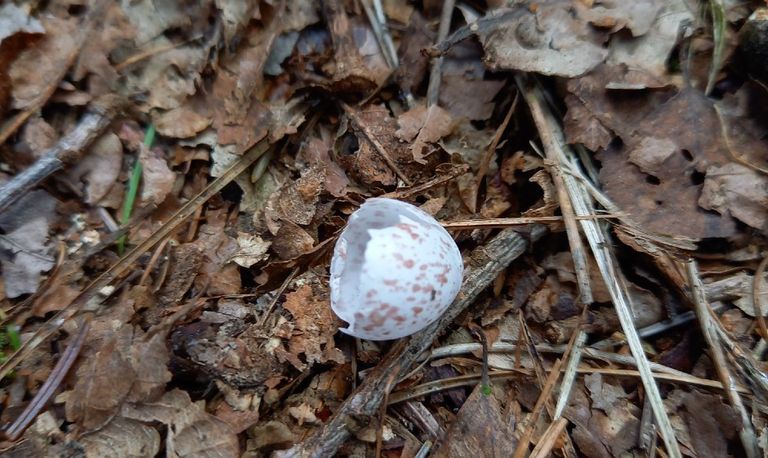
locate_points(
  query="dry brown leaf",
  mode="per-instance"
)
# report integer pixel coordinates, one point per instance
(709, 433)
(122, 437)
(413, 63)
(191, 430)
(480, 430)
(421, 126)
(739, 191)
(252, 250)
(637, 16)
(149, 359)
(291, 241)
(582, 127)
(156, 177)
(39, 67)
(657, 177)
(649, 53)
(181, 122)
(464, 91)
(318, 154)
(103, 382)
(100, 168)
(548, 39)
(315, 325)
(24, 248)
(270, 434)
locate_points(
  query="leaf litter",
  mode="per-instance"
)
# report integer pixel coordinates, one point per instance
(219, 340)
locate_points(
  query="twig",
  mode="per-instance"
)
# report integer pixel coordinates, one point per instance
(485, 264)
(490, 223)
(472, 379)
(51, 384)
(553, 140)
(544, 448)
(375, 142)
(576, 345)
(504, 347)
(565, 197)
(747, 433)
(757, 300)
(66, 151)
(381, 31)
(490, 150)
(407, 192)
(533, 418)
(436, 74)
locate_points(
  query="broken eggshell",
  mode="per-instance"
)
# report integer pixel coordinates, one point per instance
(394, 270)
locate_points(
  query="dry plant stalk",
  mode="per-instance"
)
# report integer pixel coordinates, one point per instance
(747, 433)
(554, 143)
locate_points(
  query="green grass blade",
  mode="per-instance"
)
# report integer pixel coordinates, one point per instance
(133, 188)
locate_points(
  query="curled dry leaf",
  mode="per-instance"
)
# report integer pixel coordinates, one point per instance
(100, 168)
(315, 325)
(24, 248)
(122, 437)
(157, 179)
(421, 126)
(549, 40)
(252, 249)
(39, 67)
(181, 122)
(191, 430)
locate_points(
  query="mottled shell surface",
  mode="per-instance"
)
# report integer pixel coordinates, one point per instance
(394, 270)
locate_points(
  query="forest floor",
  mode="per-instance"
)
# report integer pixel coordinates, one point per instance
(174, 177)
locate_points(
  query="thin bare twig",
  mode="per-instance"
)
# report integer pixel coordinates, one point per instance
(747, 433)
(544, 448)
(757, 300)
(66, 151)
(485, 264)
(436, 74)
(565, 199)
(472, 379)
(51, 384)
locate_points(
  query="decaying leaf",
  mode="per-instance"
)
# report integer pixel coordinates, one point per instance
(157, 179)
(122, 437)
(126, 368)
(422, 126)
(191, 430)
(480, 429)
(549, 39)
(38, 68)
(100, 168)
(103, 383)
(24, 248)
(252, 249)
(315, 325)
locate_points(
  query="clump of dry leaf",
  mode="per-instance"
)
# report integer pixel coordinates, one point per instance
(170, 296)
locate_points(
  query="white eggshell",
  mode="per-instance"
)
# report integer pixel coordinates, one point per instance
(394, 270)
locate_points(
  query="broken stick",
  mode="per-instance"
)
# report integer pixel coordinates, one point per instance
(66, 151)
